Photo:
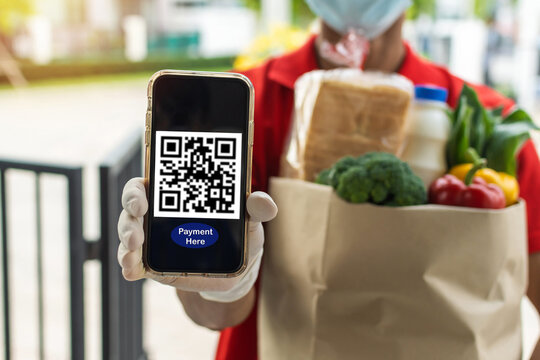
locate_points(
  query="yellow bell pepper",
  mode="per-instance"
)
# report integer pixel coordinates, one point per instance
(510, 188)
(507, 183)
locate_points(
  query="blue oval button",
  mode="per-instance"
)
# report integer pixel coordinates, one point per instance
(194, 235)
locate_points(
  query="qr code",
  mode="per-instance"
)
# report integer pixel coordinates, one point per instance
(197, 174)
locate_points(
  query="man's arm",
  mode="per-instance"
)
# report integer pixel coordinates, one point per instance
(533, 292)
(216, 315)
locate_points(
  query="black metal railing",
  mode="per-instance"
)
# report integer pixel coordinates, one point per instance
(121, 300)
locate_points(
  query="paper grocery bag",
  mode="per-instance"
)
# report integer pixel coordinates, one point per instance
(346, 281)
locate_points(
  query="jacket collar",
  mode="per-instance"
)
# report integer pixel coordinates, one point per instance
(286, 69)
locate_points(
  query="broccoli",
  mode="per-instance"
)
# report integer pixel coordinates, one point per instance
(323, 177)
(376, 177)
(376, 156)
(355, 185)
(410, 192)
(339, 168)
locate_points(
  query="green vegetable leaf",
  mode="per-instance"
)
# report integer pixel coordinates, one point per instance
(520, 116)
(464, 136)
(478, 127)
(451, 116)
(483, 121)
(459, 140)
(462, 102)
(496, 114)
(491, 119)
(504, 144)
(486, 131)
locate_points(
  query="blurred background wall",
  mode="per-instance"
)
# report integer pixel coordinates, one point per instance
(491, 41)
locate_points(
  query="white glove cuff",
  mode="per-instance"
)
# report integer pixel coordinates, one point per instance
(241, 288)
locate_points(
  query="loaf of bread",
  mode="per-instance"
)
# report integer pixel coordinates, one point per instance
(345, 112)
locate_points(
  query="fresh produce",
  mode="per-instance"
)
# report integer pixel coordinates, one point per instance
(510, 187)
(489, 175)
(339, 168)
(472, 191)
(449, 190)
(376, 177)
(495, 138)
(323, 177)
(507, 183)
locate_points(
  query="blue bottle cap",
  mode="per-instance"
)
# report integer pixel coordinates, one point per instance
(430, 92)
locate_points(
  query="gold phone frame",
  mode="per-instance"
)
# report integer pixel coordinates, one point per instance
(148, 148)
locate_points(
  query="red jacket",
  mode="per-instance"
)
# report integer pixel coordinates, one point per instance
(274, 96)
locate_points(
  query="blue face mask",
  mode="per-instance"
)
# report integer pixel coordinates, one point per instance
(369, 17)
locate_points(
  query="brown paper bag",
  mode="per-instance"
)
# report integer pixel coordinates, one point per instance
(345, 281)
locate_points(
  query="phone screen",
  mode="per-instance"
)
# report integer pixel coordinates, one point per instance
(198, 174)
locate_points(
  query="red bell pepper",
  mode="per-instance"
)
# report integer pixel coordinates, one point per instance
(449, 190)
(474, 192)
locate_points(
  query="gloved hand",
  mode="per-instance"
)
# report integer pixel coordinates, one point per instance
(260, 208)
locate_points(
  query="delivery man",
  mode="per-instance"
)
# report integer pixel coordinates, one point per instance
(230, 304)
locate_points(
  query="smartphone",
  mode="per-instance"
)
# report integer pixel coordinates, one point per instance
(199, 140)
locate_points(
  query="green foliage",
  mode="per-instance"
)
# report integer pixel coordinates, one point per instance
(301, 12)
(376, 177)
(507, 139)
(252, 4)
(503, 148)
(494, 138)
(12, 12)
(420, 7)
(484, 9)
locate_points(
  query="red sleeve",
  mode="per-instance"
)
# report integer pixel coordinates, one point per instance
(529, 183)
(257, 76)
(239, 342)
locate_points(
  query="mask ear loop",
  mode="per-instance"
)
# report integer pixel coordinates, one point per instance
(350, 51)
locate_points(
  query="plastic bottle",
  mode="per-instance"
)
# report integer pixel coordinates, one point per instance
(428, 133)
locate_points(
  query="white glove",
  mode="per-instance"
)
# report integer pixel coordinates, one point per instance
(260, 208)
